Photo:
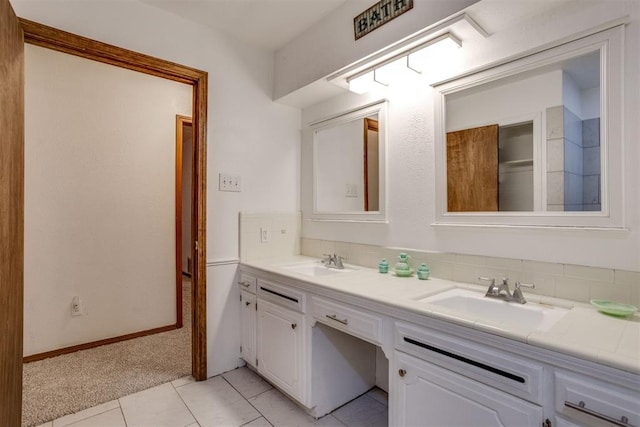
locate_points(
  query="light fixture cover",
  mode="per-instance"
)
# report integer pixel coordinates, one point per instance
(362, 84)
(392, 72)
(435, 52)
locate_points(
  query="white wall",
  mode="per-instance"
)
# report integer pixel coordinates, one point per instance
(99, 199)
(499, 105)
(248, 134)
(411, 178)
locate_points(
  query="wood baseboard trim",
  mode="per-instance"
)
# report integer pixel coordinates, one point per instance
(93, 344)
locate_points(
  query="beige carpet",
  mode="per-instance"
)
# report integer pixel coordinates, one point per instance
(69, 383)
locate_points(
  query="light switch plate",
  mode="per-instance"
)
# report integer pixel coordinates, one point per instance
(228, 182)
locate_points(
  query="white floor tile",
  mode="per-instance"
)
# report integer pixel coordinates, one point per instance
(247, 382)
(280, 411)
(156, 407)
(112, 418)
(87, 413)
(379, 395)
(260, 422)
(49, 424)
(363, 412)
(182, 381)
(215, 403)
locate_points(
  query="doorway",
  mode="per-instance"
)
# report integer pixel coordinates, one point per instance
(51, 38)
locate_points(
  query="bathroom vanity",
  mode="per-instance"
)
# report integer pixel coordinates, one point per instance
(314, 332)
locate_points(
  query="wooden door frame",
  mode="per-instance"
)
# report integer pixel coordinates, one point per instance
(181, 121)
(369, 124)
(62, 41)
(11, 215)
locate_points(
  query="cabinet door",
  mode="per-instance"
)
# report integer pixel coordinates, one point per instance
(280, 346)
(248, 327)
(426, 394)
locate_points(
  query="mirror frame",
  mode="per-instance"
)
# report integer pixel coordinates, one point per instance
(610, 44)
(378, 107)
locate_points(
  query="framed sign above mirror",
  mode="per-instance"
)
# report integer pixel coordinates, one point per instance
(349, 165)
(535, 141)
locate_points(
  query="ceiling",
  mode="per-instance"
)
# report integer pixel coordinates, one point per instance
(269, 24)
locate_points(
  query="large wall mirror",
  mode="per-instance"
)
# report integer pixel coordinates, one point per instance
(349, 165)
(535, 141)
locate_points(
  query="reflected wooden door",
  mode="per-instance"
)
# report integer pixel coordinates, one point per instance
(472, 170)
(11, 214)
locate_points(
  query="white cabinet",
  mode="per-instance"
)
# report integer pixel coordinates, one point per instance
(352, 320)
(280, 345)
(426, 394)
(590, 402)
(248, 283)
(248, 327)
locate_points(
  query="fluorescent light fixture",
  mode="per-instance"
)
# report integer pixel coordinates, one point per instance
(392, 72)
(363, 83)
(433, 53)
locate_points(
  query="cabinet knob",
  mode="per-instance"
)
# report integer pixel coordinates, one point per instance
(402, 373)
(247, 303)
(294, 325)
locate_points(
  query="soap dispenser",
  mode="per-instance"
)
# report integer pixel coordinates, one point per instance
(383, 266)
(402, 267)
(423, 272)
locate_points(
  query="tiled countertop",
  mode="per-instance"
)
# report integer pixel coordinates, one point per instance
(583, 332)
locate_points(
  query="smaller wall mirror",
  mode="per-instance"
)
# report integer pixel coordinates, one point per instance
(534, 141)
(349, 165)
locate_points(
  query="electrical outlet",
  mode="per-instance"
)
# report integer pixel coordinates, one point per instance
(228, 182)
(76, 306)
(265, 234)
(351, 190)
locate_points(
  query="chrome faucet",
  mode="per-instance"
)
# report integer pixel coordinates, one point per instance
(335, 260)
(503, 292)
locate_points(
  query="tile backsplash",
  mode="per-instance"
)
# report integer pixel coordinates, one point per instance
(283, 233)
(567, 281)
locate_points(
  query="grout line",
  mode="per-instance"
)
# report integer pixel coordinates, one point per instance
(248, 422)
(124, 417)
(185, 403)
(248, 401)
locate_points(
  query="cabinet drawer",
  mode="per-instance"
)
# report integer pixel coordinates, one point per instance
(592, 402)
(353, 320)
(248, 282)
(429, 395)
(494, 367)
(282, 295)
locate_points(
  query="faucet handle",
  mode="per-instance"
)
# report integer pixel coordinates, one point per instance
(525, 285)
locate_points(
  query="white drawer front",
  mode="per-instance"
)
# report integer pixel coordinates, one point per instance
(592, 402)
(498, 369)
(282, 295)
(248, 282)
(353, 320)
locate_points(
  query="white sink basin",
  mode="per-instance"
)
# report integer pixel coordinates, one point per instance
(529, 316)
(314, 269)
